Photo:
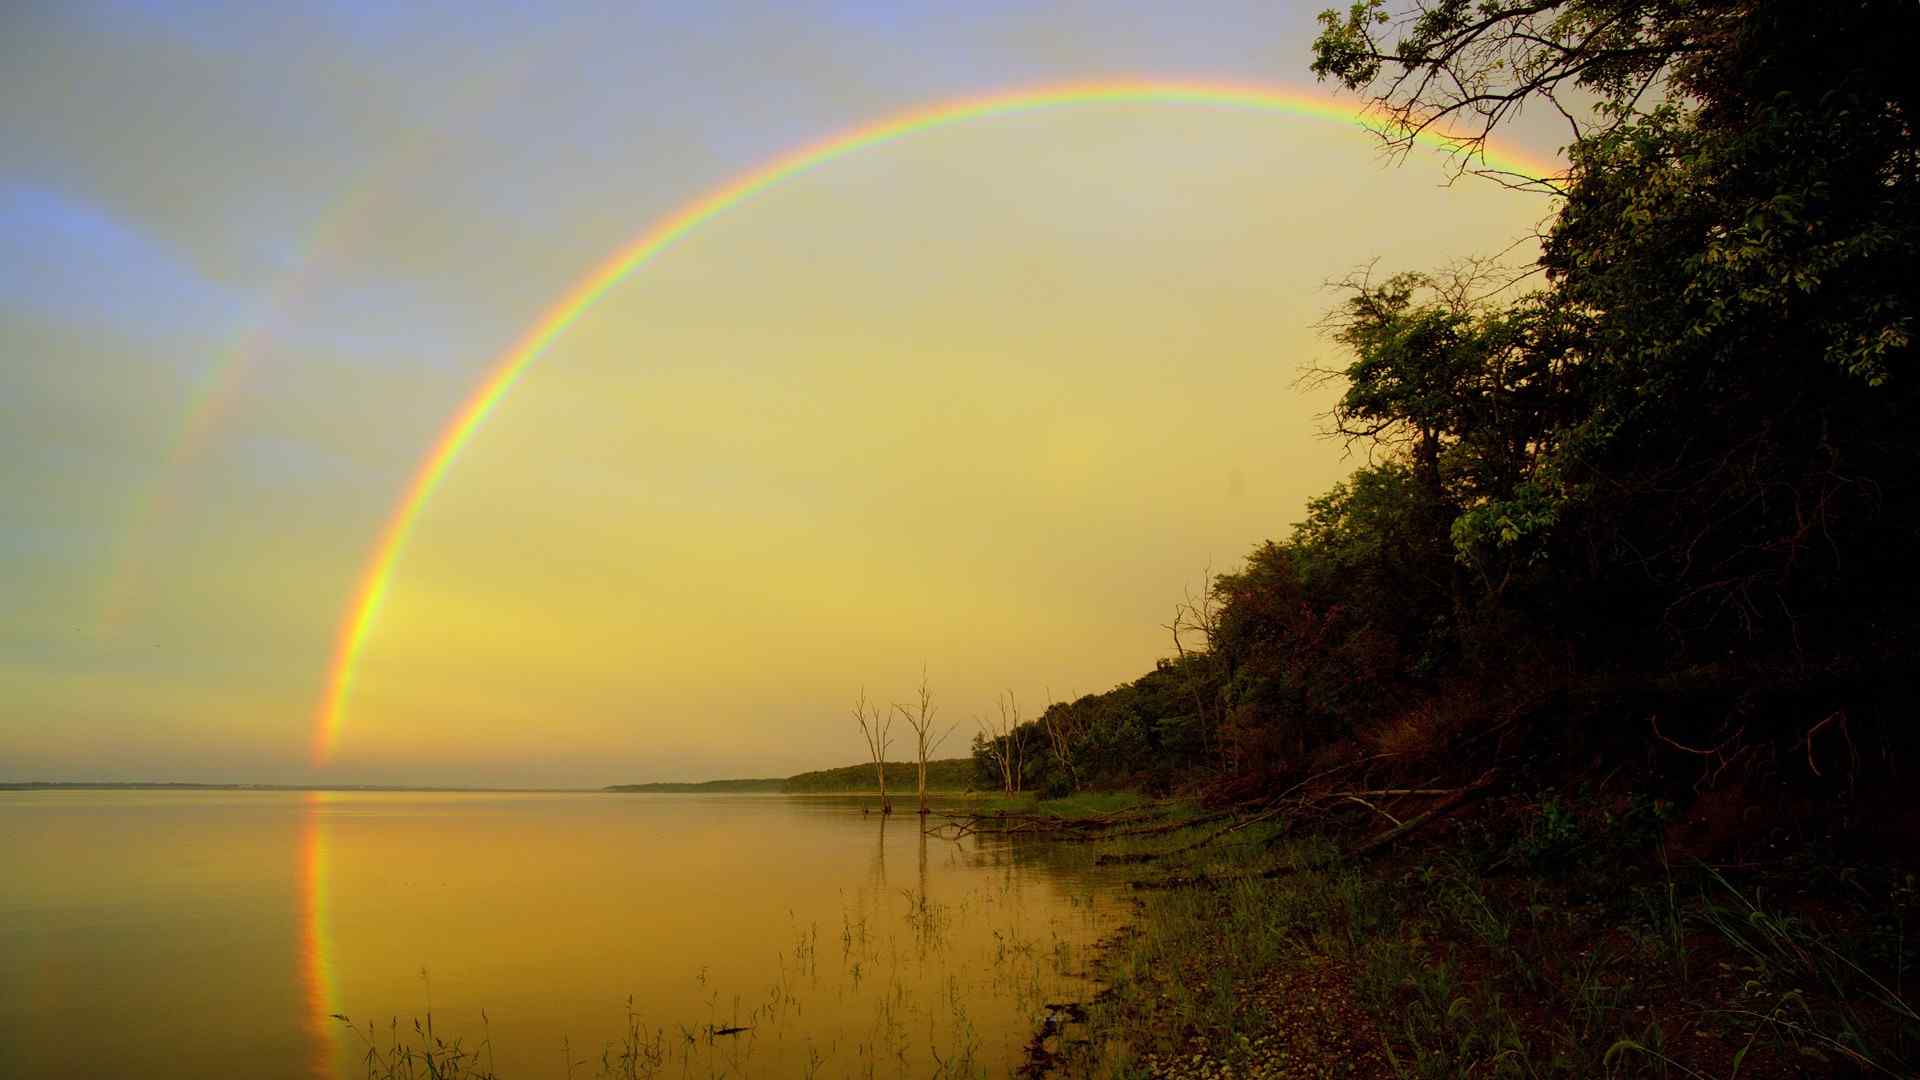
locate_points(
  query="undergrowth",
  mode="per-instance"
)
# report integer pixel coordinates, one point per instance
(1550, 939)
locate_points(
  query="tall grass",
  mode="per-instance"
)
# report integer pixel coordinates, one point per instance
(1568, 969)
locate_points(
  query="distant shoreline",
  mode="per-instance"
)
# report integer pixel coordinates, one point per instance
(768, 785)
(169, 785)
(947, 777)
(665, 788)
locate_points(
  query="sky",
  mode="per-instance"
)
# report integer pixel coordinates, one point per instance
(987, 398)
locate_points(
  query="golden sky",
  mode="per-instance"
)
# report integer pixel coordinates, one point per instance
(987, 398)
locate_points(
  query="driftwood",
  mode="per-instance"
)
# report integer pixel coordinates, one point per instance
(1300, 807)
(1395, 792)
(1266, 813)
(1171, 826)
(1130, 857)
(1306, 807)
(1459, 798)
(1294, 803)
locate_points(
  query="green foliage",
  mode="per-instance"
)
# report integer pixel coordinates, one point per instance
(1686, 458)
(1490, 534)
(1551, 835)
(1345, 49)
(1745, 447)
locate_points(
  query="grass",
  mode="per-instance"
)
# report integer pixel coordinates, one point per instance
(1541, 952)
(1083, 804)
(421, 1056)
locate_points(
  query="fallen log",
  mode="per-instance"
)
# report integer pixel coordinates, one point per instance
(1171, 826)
(1384, 793)
(1461, 797)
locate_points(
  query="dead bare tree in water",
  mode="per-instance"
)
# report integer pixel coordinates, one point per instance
(874, 721)
(921, 721)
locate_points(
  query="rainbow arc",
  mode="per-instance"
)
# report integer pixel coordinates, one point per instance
(364, 608)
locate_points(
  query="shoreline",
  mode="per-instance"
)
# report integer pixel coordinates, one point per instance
(1543, 937)
(55, 786)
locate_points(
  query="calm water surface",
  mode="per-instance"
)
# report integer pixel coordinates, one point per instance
(176, 934)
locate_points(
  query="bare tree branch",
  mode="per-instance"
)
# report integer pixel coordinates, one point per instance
(926, 740)
(875, 721)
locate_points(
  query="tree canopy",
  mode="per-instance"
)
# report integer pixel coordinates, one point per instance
(1671, 467)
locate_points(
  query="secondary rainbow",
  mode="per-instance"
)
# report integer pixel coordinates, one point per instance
(216, 394)
(364, 608)
(322, 246)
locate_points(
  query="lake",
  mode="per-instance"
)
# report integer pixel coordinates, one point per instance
(175, 934)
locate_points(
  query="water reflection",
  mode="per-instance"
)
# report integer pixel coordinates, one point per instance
(757, 936)
(315, 953)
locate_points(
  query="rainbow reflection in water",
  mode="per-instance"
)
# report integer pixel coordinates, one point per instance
(315, 940)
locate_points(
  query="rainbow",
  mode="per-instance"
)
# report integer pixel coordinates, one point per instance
(364, 608)
(214, 397)
(211, 400)
(322, 245)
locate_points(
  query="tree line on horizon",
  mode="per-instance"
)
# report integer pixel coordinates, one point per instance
(944, 776)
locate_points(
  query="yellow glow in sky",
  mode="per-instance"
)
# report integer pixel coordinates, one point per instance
(990, 398)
